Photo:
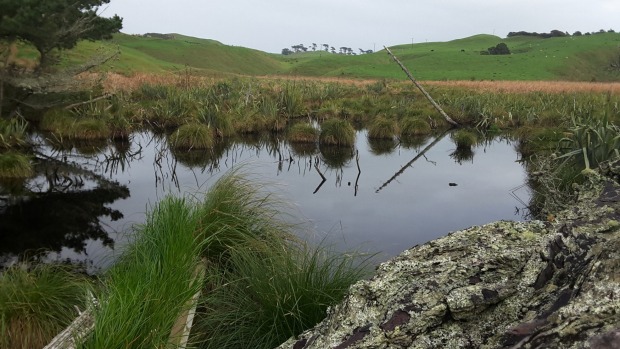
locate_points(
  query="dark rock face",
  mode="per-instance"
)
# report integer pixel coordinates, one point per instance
(502, 285)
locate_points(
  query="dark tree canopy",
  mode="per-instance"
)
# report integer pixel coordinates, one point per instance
(55, 24)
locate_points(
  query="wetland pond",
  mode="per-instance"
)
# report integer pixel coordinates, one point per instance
(381, 196)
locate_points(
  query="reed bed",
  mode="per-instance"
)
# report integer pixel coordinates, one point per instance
(37, 302)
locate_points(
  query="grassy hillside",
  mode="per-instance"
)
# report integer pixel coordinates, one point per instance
(582, 58)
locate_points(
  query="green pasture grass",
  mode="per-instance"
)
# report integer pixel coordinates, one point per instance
(37, 302)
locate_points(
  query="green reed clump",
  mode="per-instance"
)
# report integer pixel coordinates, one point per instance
(464, 139)
(236, 210)
(264, 285)
(151, 283)
(15, 165)
(210, 114)
(592, 141)
(290, 100)
(192, 136)
(89, 129)
(13, 132)
(383, 128)
(414, 126)
(37, 302)
(262, 299)
(337, 132)
(303, 132)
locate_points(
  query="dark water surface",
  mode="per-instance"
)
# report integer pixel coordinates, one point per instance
(86, 212)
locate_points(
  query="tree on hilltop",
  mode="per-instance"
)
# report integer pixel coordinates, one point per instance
(52, 25)
(49, 26)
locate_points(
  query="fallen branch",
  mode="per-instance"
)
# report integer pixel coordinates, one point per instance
(428, 96)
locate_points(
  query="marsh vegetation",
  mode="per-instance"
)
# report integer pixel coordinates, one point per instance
(236, 232)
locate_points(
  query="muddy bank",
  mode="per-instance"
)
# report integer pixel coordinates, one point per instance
(502, 285)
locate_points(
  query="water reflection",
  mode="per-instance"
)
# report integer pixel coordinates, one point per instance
(384, 193)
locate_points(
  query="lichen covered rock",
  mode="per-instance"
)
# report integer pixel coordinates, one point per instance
(502, 285)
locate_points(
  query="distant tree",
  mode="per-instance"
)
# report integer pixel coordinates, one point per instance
(286, 51)
(314, 46)
(362, 51)
(333, 49)
(499, 49)
(577, 33)
(611, 31)
(326, 46)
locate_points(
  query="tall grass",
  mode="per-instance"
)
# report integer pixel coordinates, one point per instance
(337, 132)
(15, 165)
(261, 300)
(192, 136)
(264, 284)
(150, 285)
(13, 132)
(37, 302)
(383, 128)
(303, 133)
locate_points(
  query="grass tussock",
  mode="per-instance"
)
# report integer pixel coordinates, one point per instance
(13, 133)
(337, 132)
(262, 300)
(303, 133)
(192, 136)
(38, 302)
(464, 139)
(383, 128)
(412, 126)
(150, 285)
(15, 165)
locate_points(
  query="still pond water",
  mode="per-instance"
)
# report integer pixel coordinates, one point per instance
(380, 197)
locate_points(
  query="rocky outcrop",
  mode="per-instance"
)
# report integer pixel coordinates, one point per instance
(502, 285)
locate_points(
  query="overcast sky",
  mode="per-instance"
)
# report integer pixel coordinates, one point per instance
(271, 25)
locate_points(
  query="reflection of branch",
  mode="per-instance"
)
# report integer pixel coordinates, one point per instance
(316, 166)
(359, 171)
(421, 154)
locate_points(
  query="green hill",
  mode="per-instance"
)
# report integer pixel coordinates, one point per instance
(583, 58)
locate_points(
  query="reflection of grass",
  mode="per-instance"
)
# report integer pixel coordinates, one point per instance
(15, 165)
(380, 146)
(37, 303)
(304, 149)
(461, 155)
(334, 156)
(337, 132)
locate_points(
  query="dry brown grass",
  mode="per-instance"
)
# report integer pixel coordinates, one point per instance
(531, 86)
(117, 82)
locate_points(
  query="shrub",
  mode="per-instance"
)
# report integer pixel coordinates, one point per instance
(192, 136)
(337, 132)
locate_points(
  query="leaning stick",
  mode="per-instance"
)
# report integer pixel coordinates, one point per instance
(443, 113)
